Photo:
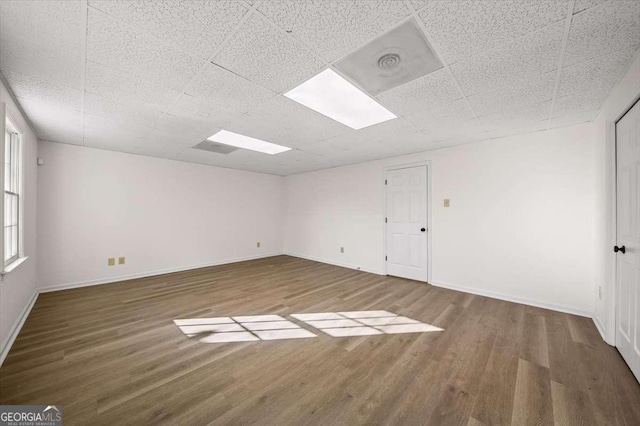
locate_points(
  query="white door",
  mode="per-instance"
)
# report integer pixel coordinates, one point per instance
(628, 238)
(407, 223)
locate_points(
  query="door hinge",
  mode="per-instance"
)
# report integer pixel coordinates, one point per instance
(385, 220)
(385, 181)
(385, 258)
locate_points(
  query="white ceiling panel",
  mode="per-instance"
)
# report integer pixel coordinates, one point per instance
(581, 5)
(462, 29)
(518, 118)
(62, 134)
(335, 27)
(198, 27)
(133, 75)
(512, 64)
(602, 29)
(437, 87)
(513, 97)
(119, 46)
(222, 88)
(580, 102)
(117, 125)
(125, 87)
(54, 65)
(573, 119)
(140, 114)
(43, 91)
(55, 25)
(45, 115)
(442, 115)
(266, 55)
(600, 72)
(285, 122)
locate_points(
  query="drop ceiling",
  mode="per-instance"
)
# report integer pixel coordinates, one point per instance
(157, 77)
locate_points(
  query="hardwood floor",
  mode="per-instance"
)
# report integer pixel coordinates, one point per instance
(110, 354)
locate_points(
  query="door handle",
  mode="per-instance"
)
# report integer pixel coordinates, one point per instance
(423, 230)
(619, 249)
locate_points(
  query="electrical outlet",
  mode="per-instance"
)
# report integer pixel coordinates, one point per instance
(341, 249)
(121, 260)
(258, 244)
(447, 202)
(111, 261)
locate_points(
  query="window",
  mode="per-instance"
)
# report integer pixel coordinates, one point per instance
(11, 195)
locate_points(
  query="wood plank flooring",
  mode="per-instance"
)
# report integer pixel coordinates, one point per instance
(110, 354)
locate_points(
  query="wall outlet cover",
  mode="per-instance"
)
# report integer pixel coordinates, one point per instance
(121, 260)
(447, 202)
(111, 261)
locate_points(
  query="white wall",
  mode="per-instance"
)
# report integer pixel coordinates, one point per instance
(520, 225)
(18, 287)
(619, 101)
(160, 214)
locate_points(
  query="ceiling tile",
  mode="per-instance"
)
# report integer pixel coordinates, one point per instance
(126, 87)
(199, 27)
(573, 119)
(513, 64)
(441, 115)
(136, 114)
(581, 5)
(172, 127)
(513, 97)
(603, 71)
(580, 102)
(55, 25)
(122, 47)
(67, 134)
(334, 28)
(521, 117)
(419, 4)
(44, 91)
(461, 29)
(94, 138)
(285, 122)
(418, 94)
(603, 29)
(119, 126)
(216, 87)
(522, 128)
(265, 55)
(27, 58)
(46, 116)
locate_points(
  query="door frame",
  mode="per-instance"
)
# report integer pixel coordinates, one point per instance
(612, 293)
(427, 164)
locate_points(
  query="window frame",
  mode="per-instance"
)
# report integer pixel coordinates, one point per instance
(9, 127)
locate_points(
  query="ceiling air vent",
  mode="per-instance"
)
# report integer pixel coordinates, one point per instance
(218, 148)
(395, 58)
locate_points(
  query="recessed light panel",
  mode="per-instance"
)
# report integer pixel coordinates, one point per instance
(333, 96)
(242, 141)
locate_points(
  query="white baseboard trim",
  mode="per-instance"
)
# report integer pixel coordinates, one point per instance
(515, 299)
(119, 278)
(17, 326)
(600, 328)
(331, 262)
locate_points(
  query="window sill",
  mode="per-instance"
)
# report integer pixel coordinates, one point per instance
(13, 265)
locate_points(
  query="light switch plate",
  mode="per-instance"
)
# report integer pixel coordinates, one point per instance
(111, 261)
(121, 260)
(446, 202)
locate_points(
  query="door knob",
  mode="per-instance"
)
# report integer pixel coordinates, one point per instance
(619, 249)
(422, 230)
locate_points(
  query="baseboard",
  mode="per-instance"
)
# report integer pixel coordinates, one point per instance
(151, 273)
(331, 262)
(600, 329)
(515, 299)
(17, 326)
